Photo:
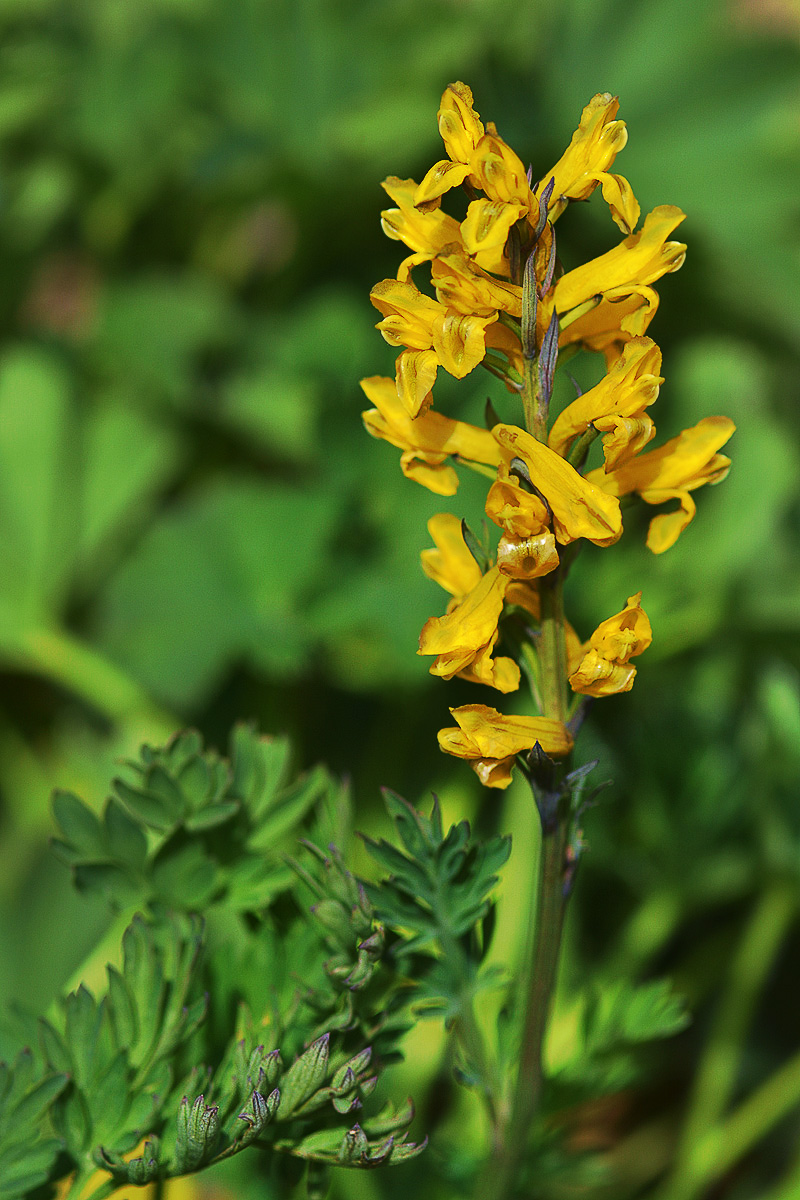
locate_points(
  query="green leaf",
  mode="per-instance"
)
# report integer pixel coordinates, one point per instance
(260, 767)
(37, 495)
(79, 824)
(152, 328)
(122, 1009)
(440, 886)
(222, 576)
(123, 836)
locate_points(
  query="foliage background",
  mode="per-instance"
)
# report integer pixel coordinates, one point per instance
(194, 527)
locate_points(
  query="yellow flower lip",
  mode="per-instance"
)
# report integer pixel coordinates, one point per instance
(433, 334)
(636, 262)
(604, 669)
(463, 639)
(490, 741)
(427, 440)
(616, 405)
(672, 472)
(580, 509)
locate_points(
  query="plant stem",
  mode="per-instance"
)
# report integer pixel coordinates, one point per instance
(57, 655)
(697, 1158)
(547, 921)
(544, 967)
(470, 1036)
(547, 916)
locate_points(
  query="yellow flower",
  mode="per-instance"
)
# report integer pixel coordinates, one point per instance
(579, 507)
(461, 130)
(637, 261)
(426, 441)
(464, 638)
(605, 669)
(463, 286)
(490, 741)
(433, 335)
(672, 472)
(622, 313)
(527, 549)
(616, 405)
(423, 232)
(584, 164)
(450, 563)
(482, 157)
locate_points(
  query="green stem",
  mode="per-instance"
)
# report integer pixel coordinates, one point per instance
(724, 1145)
(468, 1033)
(719, 1068)
(57, 655)
(553, 647)
(547, 922)
(550, 920)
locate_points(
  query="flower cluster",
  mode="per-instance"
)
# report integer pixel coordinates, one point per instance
(501, 299)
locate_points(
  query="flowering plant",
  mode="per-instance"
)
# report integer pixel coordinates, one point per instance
(260, 992)
(502, 300)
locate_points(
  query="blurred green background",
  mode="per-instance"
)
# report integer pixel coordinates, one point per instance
(194, 527)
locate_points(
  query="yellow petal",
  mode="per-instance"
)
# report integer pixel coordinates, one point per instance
(528, 558)
(416, 375)
(625, 437)
(450, 564)
(629, 387)
(681, 465)
(592, 149)
(502, 674)
(519, 513)
(618, 195)
(458, 340)
(411, 261)
(468, 626)
(684, 462)
(604, 669)
(427, 440)
(598, 677)
(428, 470)
(423, 232)
(501, 174)
(624, 635)
(442, 176)
(488, 223)
(579, 508)
(463, 286)
(622, 313)
(459, 124)
(408, 314)
(665, 528)
(640, 259)
(490, 741)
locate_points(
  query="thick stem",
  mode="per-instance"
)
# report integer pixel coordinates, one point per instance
(544, 967)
